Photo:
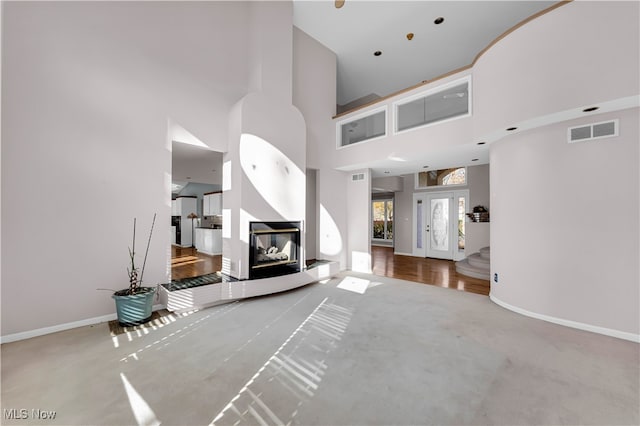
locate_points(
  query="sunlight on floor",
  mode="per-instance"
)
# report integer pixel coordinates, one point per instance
(141, 410)
(356, 285)
(294, 371)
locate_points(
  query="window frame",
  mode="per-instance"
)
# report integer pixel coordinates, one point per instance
(385, 201)
(453, 185)
(433, 91)
(339, 124)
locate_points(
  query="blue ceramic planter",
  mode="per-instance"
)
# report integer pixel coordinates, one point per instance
(134, 309)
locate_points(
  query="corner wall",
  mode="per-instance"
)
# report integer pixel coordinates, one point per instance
(88, 89)
(564, 229)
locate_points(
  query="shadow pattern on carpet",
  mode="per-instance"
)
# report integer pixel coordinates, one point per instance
(158, 319)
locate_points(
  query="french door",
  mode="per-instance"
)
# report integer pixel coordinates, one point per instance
(438, 219)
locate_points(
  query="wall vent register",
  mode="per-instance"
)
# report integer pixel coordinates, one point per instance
(359, 176)
(605, 129)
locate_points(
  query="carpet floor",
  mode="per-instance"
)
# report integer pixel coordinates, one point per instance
(356, 350)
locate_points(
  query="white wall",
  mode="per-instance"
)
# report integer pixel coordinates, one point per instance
(403, 217)
(88, 89)
(580, 54)
(332, 216)
(477, 234)
(564, 230)
(311, 221)
(359, 221)
(387, 184)
(267, 143)
(314, 94)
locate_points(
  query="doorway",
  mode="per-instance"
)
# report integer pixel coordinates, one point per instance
(438, 224)
(382, 221)
(196, 172)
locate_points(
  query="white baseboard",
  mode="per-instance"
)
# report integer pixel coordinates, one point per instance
(568, 323)
(399, 253)
(62, 327)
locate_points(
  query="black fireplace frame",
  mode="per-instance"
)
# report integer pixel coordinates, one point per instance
(278, 268)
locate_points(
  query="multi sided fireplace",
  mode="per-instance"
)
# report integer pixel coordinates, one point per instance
(274, 249)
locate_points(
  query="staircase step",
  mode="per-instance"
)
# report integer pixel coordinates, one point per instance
(463, 267)
(485, 252)
(478, 261)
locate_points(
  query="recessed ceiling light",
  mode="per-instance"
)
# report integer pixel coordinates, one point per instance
(511, 129)
(377, 53)
(481, 143)
(474, 159)
(439, 20)
(590, 109)
(409, 36)
(425, 167)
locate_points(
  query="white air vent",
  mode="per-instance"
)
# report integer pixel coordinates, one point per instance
(605, 129)
(359, 176)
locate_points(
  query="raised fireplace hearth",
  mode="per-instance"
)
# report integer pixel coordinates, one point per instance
(274, 249)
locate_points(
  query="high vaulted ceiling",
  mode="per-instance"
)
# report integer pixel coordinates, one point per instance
(360, 28)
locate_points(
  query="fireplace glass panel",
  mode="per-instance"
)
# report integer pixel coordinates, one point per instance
(274, 249)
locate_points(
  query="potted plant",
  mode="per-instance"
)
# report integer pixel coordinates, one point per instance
(480, 214)
(134, 304)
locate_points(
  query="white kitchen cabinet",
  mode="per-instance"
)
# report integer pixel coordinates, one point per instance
(216, 204)
(209, 241)
(212, 204)
(206, 211)
(184, 206)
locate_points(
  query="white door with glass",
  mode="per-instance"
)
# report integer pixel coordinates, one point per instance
(439, 219)
(438, 226)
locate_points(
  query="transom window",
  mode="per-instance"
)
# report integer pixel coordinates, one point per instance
(441, 177)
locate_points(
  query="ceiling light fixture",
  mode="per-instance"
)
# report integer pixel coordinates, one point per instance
(339, 3)
(590, 109)
(425, 167)
(439, 20)
(409, 36)
(481, 143)
(474, 159)
(387, 172)
(511, 129)
(377, 53)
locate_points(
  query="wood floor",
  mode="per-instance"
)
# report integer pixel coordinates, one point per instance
(187, 262)
(441, 273)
